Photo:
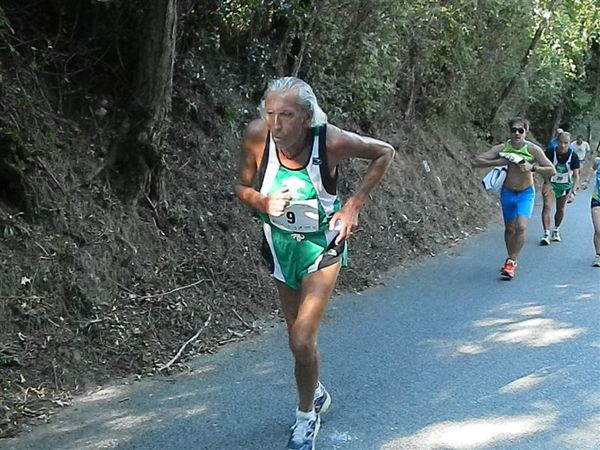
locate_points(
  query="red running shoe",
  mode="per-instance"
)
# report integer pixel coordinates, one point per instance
(508, 269)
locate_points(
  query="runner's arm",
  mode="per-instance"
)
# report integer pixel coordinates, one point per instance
(576, 179)
(342, 145)
(586, 171)
(490, 158)
(248, 167)
(541, 163)
(252, 149)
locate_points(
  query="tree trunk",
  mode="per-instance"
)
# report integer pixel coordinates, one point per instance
(282, 55)
(138, 153)
(305, 38)
(413, 52)
(558, 115)
(294, 40)
(524, 61)
(347, 55)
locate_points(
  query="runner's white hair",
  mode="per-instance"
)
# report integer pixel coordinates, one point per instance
(306, 97)
(564, 134)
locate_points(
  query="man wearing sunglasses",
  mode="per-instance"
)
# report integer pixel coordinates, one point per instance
(517, 196)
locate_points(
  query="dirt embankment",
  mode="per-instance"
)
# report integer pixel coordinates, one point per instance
(93, 289)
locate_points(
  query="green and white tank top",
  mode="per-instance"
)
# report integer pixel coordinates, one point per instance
(313, 189)
(562, 178)
(523, 151)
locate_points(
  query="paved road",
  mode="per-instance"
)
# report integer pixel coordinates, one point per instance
(443, 355)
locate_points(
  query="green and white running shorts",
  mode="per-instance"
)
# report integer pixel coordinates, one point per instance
(292, 256)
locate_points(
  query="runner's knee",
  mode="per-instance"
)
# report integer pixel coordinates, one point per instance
(303, 343)
(511, 227)
(520, 227)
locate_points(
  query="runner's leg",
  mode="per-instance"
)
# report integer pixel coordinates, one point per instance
(508, 202)
(303, 309)
(596, 222)
(515, 238)
(548, 200)
(523, 209)
(560, 210)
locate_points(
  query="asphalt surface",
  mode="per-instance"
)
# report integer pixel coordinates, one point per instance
(442, 355)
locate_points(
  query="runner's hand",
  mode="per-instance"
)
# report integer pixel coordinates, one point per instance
(511, 157)
(524, 166)
(345, 222)
(277, 202)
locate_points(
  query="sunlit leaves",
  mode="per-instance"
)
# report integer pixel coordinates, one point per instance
(415, 57)
(567, 39)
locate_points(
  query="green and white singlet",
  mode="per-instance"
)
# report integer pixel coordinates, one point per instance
(523, 151)
(299, 242)
(562, 181)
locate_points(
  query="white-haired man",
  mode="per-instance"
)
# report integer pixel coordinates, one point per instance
(288, 173)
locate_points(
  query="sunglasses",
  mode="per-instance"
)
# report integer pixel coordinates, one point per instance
(517, 130)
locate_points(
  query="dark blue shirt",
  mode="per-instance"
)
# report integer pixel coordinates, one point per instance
(562, 159)
(553, 144)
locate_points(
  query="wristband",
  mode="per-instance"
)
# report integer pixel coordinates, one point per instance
(533, 167)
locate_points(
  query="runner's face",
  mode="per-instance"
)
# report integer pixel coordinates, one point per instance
(287, 120)
(563, 145)
(517, 134)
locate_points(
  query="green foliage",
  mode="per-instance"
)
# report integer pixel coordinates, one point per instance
(563, 74)
(370, 61)
(566, 43)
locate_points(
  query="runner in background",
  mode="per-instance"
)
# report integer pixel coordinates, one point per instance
(557, 189)
(595, 206)
(586, 159)
(523, 158)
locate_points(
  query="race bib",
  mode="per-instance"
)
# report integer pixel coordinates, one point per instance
(300, 216)
(561, 178)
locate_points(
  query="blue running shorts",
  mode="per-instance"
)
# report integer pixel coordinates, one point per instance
(516, 204)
